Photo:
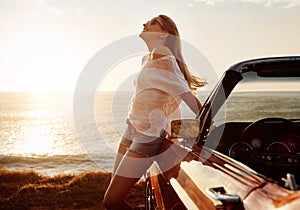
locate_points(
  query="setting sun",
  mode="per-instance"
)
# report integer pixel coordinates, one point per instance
(38, 61)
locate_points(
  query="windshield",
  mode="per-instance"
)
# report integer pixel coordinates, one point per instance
(256, 98)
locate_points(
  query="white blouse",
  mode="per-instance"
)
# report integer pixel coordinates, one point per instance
(157, 97)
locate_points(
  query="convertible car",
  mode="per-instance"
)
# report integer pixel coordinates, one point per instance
(243, 149)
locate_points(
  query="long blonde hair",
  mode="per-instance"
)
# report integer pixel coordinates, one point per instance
(174, 44)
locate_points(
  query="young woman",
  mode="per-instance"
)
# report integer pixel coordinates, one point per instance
(164, 81)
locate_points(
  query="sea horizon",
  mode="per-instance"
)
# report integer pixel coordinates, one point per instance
(38, 132)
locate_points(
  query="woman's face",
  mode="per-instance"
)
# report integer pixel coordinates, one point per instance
(154, 26)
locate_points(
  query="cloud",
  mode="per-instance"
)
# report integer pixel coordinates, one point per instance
(280, 3)
(54, 10)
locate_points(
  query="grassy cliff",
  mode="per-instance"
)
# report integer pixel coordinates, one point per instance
(30, 190)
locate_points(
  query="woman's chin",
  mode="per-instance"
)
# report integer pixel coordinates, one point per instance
(147, 36)
(143, 35)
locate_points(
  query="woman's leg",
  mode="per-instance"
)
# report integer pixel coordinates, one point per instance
(116, 192)
(126, 175)
(120, 154)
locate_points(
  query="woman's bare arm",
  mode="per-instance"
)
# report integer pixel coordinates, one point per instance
(191, 100)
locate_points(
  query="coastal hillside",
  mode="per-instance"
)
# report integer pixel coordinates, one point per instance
(27, 189)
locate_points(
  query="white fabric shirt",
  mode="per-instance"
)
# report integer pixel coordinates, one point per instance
(157, 98)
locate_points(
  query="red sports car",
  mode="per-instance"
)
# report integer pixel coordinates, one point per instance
(243, 149)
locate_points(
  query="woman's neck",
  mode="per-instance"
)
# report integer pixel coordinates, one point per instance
(152, 46)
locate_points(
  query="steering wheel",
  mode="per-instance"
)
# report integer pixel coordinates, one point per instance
(271, 146)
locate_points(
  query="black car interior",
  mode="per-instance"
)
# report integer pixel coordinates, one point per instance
(270, 146)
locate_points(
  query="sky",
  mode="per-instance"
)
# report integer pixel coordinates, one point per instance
(46, 44)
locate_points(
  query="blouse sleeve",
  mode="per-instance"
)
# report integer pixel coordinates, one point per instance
(163, 74)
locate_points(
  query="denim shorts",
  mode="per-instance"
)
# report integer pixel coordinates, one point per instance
(147, 146)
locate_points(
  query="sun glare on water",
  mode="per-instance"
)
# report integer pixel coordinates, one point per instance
(37, 141)
(40, 126)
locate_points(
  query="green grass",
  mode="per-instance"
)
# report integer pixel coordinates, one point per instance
(27, 189)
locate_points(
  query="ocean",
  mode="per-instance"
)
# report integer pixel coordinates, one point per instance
(38, 131)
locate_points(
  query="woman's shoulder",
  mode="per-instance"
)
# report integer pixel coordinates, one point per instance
(160, 52)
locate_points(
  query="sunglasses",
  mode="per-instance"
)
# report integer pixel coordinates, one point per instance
(153, 22)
